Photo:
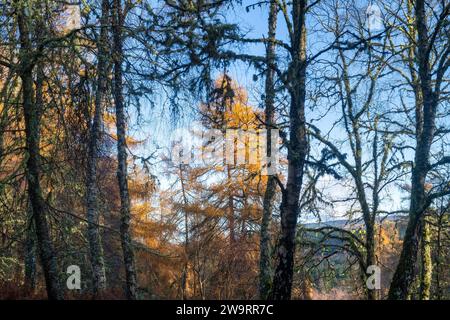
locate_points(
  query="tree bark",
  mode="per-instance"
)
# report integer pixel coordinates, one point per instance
(425, 128)
(32, 124)
(441, 228)
(95, 246)
(265, 264)
(30, 253)
(297, 151)
(30, 242)
(426, 261)
(122, 174)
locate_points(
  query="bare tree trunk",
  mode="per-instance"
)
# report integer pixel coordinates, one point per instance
(122, 174)
(426, 261)
(265, 265)
(425, 128)
(95, 246)
(46, 251)
(31, 115)
(370, 258)
(30, 242)
(297, 151)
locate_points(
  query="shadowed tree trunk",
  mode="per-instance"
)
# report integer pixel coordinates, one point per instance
(31, 116)
(95, 246)
(122, 174)
(30, 242)
(427, 101)
(265, 265)
(297, 151)
(30, 253)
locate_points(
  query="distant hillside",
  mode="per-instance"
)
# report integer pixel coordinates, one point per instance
(400, 220)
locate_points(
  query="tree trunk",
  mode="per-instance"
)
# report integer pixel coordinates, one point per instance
(426, 261)
(31, 116)
(30, 242)
(95, 246)
(30, 253)
(122, 174)
(186, 238)
(440, 252)
(372, 294)
(265, 265)
(425, 128)
(46, 251)
(297, 151)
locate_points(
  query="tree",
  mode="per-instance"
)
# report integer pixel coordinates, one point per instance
(297, 151)
(427, 84)
(32, 124)
(122, 175)
(426, 260)
(96, 250)
(269, 194)
(372, 166)
(441, 227)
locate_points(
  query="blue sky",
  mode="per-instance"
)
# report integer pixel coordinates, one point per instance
(159, 126)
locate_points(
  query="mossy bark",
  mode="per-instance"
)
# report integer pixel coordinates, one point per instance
(265, 261)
